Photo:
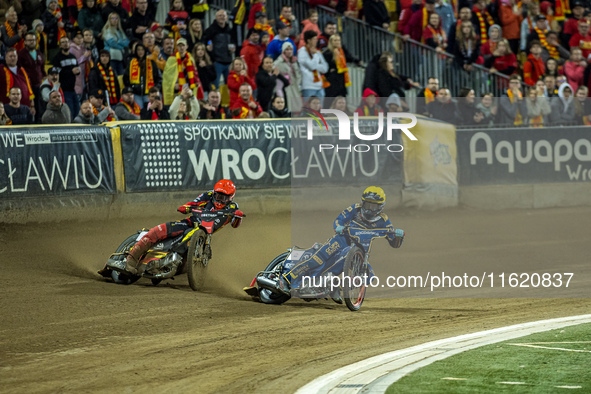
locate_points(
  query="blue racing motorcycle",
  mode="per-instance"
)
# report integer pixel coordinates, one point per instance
(345, 275)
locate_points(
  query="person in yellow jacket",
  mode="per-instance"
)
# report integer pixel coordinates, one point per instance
(180, 71)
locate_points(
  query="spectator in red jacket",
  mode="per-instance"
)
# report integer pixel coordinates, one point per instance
(502, 60)
(534, 67)
(418, 23)
(574, 68)
(511, 23)
(407, 13)
(433, 34)
(370, 106)
(237, 77)
(571, 26)
(245, 107)
(253, 52)
(582, 39)
(256, 6)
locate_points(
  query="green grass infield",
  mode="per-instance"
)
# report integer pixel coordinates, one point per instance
(548, 362)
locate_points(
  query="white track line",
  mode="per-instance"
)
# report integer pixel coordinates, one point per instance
(376, 374)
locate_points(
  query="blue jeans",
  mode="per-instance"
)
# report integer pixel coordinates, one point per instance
(140, 100)
(311, 92)
(71, 99)
(219, 70)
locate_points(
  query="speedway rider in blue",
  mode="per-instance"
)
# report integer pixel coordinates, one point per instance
(368, 214)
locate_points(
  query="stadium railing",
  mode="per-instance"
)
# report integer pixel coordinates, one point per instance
(411, 58)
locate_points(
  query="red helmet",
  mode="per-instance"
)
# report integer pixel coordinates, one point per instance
(223, 193)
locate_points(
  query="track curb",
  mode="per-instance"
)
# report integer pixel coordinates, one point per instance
(376, 374)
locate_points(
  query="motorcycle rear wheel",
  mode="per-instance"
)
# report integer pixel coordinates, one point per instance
(354, 295)
(120, 277)
(267, 296)
(196, 270)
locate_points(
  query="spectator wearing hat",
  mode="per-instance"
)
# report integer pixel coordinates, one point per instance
(538, 31)
(57, 112)
(253, 52)
(256, 6)
(154, 110)
(114, 6)
(219, 45)
(49, 84)
(313, 66)
(91, 18)
(141, 74)
(69, 69)
(103, 77)
(262, 25)
(97, 99)
(33, 62)
(534, 67)
(127, 109)
(288, 66)
(274, 47)
(87, 116)
(38, 28)
(17, 112)
(158, 31)
(370, 104)
(571, 26)
(180, 71)
(140, 20)
(582, 39)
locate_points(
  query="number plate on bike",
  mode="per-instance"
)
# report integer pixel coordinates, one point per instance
(295, 255)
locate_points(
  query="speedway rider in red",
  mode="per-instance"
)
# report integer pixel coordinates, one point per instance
(218, 199)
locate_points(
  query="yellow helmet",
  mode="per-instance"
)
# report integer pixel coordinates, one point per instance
(373, 201)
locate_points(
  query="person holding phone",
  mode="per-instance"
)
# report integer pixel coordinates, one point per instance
(154, 109)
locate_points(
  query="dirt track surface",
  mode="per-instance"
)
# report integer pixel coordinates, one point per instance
(65, 329)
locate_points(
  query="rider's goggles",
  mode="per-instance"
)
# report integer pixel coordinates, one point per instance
(372, 206)
(221, 197)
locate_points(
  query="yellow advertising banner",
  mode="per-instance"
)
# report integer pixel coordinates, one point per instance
(431, 159)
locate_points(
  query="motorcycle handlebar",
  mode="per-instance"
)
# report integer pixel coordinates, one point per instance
(231, 214)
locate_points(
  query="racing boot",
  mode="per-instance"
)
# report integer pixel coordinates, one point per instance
(133, 257)
(336, 296)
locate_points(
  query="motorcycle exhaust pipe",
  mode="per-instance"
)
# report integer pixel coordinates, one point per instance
(269, 284)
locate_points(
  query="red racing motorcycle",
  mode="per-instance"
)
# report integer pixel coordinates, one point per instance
(187, 253)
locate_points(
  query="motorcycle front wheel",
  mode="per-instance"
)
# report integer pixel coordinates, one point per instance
(120, 277)
(354, 290)
(196, 268)
(267, 296)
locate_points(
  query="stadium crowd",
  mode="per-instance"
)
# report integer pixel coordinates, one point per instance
(89, 61)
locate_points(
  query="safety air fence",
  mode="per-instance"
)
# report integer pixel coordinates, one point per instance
(485, 168)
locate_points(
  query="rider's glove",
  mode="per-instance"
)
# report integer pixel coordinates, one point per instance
(184, 209)
(398, 238)
(339, 230)
(237, 219)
